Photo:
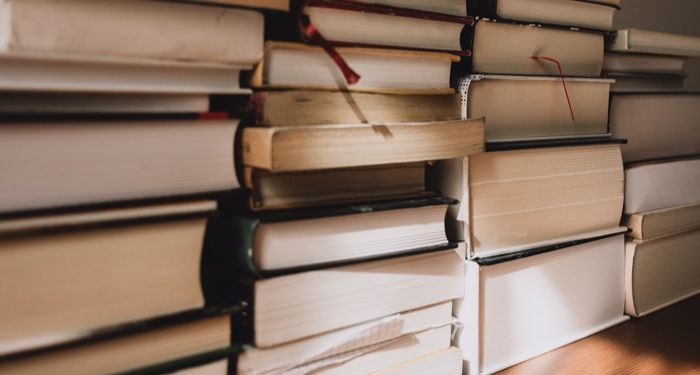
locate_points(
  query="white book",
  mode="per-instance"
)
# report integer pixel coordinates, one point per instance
(662, 184)
(360, 349)
(155, 30)
(60, 164)
(645, 41)
(521, 308)
(641, 63)
(448, 361)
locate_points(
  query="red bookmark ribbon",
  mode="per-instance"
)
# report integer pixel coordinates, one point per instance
(563, 82)
(311, 33)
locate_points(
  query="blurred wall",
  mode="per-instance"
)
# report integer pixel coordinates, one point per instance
(672, 16)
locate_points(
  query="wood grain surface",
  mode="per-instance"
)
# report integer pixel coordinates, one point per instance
(664, 342)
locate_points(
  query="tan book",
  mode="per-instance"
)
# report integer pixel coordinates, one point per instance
(282, 5)
(660, 272)
(334, 186)
(124, 264)
(638, 63)
(527, 198)
(388, 71)
(314, 107)
(523, 107)
(663, 222)
(585, 14)
(448, 361)
(505, 48)
(291, 307)
(130, 352)
(297, 148)
(100, 103)
(645, 41)
(151, 30)
(69, 163)
(656, 125)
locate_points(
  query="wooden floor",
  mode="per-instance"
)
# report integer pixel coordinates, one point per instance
(665, 342)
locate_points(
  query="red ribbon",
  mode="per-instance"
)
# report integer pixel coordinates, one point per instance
(311, 33)
(563, 82)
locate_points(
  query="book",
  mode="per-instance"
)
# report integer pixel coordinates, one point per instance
(646, 83)
(219, 367)
(51, 164)
(590, 15)
(527, 198)
(152, 30)
(448, 361)
(273, 191)
(520, 308)
(387, 71)
(525, 107)
(153, 348)
(317, 107)
(31, 103)
(653, 42)
(275, 241)
(662, 184)
(634, 63)
(360, 349)
(452, 7)
(279, 5)
(294, 306)
(638, 118)
(64, 276)
(297, 148)
(362, 23)
(505, 48)
(663, 222)
(98, 74)
(660, 272)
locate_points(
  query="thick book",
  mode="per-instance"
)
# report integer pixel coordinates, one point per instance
(178, 343)
(646, 83)
(525, 107)
(636, 63)
(64, 276)
(660, 272)
(294, 306)
(662, 184)
(370, 23)
(653, 42)
(583, 14)
(663, 222)
(284, 240)
(518, 199)
(298, 148)
(387, 71)
(656, 125)
(274, 191)
(451, 7)
(518, 309)
(49, 164)
(321, 107)
(506, 48)
(361, 349)
(149, 30)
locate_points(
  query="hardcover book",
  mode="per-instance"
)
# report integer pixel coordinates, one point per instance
(64, 276)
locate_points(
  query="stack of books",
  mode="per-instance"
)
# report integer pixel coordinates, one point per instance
(541, 208)
(662, 190)
(338, 249)
(648, 61)
(110, 156)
